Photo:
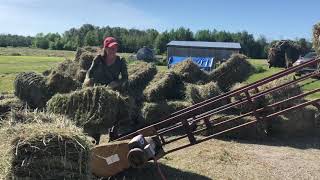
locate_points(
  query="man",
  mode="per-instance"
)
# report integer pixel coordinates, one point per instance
(105, 70)
(107, 67)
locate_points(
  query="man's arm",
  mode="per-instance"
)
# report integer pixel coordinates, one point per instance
(124, 70)
(89, 80)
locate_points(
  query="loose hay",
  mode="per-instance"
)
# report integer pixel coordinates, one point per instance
(197, 93)
(235, 69)
(49, 149)
(31, 88)
(316, 37)
(164, 86)
(8, 104)
(96, 109)
(190, 72)
(283, 53)
(155, 112)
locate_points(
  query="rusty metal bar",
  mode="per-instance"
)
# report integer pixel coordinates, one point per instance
(258, 95)
(188, 130)
(293, 108)
(249, 123)
(258, 110)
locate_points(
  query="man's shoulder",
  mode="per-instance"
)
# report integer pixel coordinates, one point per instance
(98, 58)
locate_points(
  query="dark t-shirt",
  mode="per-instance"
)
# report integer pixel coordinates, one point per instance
(102, 74)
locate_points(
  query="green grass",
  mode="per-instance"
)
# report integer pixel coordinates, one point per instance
(10, 66)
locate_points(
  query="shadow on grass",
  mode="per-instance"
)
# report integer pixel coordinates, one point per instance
(150, 172)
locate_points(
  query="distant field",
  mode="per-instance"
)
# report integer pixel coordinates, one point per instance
(25, 51)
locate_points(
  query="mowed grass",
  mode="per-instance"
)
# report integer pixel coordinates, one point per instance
(10, 66)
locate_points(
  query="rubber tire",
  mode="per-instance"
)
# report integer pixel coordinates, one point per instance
(136, 157)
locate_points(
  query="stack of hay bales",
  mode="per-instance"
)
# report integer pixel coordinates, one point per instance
(283, 53)
(44, 147)
(301, 122)
(283, 93)
(197, 93)
(247, 107)
(58, 83)
(190, 72)
(140, 74)
(164, 86)
(95, 109)
(235, 69)
(255, 130)
(270, 98)
(155, 112)
(36, 89)
(316, 37)
(90, 49)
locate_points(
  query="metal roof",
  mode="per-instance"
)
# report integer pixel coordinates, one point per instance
(204, 44)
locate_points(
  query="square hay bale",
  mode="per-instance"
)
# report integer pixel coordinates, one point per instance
(155, 112)
(164, 86)
(67, 68)
(252, 131)
(247, 107)
(140, 74)
(235, 69)
(197, 93)
(49, 149)
(297, 123)
(59, 83)
(190, 72)
(31, 88)
(85, 60)
(283, 93)
(95, 109)
(316, 37)
(87, 49)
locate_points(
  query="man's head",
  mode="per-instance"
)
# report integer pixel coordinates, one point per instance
(110, 45)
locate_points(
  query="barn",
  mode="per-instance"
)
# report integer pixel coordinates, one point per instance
(217, 50)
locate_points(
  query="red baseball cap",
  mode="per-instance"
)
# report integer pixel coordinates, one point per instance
(109, 42)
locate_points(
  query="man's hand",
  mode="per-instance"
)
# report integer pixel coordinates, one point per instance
(114, 84)
(87, 83)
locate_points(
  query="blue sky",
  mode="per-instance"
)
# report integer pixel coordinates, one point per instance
(275, 19)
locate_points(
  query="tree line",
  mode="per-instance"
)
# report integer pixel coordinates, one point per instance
(132, 39)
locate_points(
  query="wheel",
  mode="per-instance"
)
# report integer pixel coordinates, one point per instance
(136, 157)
